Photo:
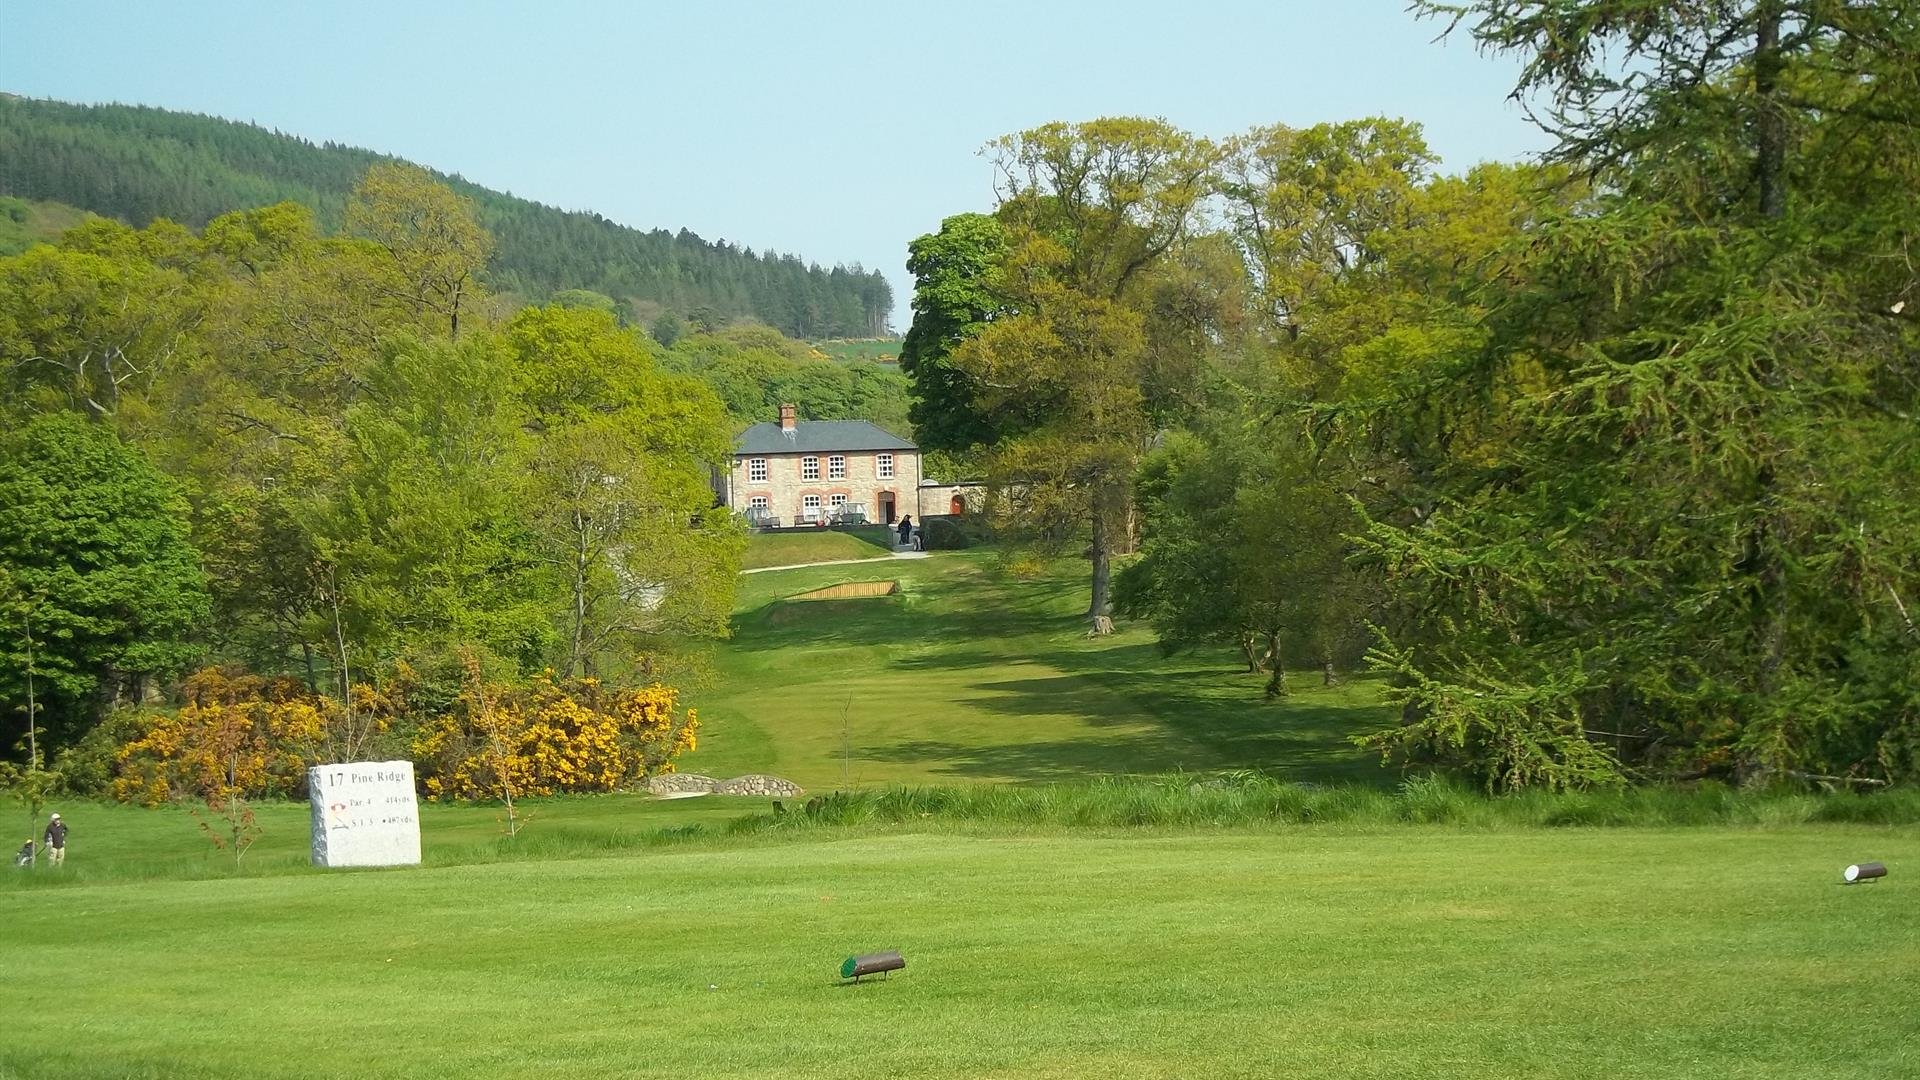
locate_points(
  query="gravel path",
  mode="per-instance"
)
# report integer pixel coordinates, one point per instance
(840, 562)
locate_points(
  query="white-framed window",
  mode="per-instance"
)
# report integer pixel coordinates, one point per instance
(883, 466)
(836, 500)
(809, 507)
(758, 502)
(757, 470)
(809, 468)
(837, 467)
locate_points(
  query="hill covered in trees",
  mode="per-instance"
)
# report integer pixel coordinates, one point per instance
(137, 164)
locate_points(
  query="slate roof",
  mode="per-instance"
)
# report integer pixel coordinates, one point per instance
(817, 436)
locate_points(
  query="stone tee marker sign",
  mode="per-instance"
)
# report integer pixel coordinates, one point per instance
(364, 814)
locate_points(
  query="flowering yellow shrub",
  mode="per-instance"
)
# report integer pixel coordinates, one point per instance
(238, 735)
(244, 736)
(549, 738)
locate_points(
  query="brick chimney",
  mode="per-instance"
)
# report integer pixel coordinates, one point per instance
(786, 418)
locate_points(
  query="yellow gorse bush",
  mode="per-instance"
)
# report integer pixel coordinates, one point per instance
(237, 734)
(247, 736)
(548, 738)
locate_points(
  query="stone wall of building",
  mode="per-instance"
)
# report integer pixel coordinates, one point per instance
(938, 500)
(786, 492)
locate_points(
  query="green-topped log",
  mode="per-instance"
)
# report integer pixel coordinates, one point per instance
(853, 967)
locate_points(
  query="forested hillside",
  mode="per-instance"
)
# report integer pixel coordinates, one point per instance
(137, 164)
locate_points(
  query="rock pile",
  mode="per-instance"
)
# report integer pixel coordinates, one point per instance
(675, 783)
(758, 784)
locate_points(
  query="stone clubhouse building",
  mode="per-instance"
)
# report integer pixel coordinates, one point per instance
(799, 473)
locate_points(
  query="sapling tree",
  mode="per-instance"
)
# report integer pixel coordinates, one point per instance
(32, 783)
(498, 755)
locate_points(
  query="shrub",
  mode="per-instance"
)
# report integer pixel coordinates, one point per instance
(87, 767)
(952, 533)
(239, 734)
(1024, 565)
(548, 738)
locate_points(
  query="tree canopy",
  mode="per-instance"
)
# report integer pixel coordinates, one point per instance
(99, 578)
(330, 446)
(1612, 458)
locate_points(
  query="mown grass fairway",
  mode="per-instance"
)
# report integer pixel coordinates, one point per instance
(1303, 952)
(793, 547)
(1048, 932)
(967, 674)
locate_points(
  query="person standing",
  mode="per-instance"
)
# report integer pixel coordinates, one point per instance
(906, 529)
(56, 841)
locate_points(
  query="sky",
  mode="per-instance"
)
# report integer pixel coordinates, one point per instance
(838, 131)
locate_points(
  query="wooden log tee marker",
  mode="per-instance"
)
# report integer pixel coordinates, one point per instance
(1866, 871)
(853, 967)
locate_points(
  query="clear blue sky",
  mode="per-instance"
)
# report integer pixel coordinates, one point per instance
(838, 131)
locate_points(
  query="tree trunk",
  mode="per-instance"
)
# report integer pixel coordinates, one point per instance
(453, 314)
(1770, 129)
(1327, 676)
(1100, 609)
(577, 660)
(1277, 681)
(1764, 564)
(1247, 642)
(340, 657)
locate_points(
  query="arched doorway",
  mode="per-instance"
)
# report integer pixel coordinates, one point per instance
(886, 507)
(959, 505)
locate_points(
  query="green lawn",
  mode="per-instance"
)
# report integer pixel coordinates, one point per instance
(117, 843)
(968, 675)
(625, 937)
(796, 547)
(1407, 952)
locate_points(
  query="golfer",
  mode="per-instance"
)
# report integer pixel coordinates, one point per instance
(56, 841)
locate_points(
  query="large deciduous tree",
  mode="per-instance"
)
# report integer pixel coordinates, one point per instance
(620, 509)
(94, 550)
(954, 296)
(435, 245)
(421, 544)
(1091, 213)
(95, 325)
(1344, 251)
